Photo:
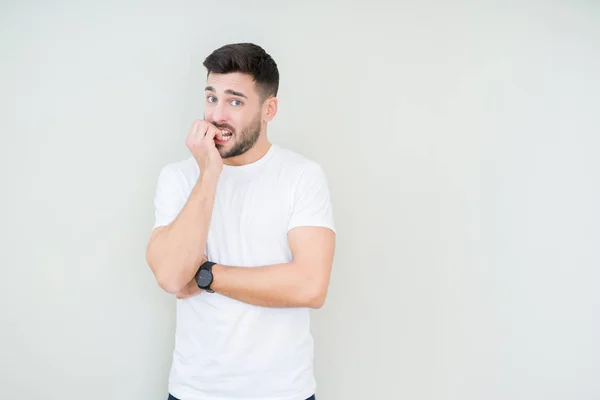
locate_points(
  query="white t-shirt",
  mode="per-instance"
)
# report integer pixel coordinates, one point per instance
(226, 349)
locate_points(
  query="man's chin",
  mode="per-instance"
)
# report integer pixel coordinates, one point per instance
(225, 151)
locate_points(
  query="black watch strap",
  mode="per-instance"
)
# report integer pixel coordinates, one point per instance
(207, 265)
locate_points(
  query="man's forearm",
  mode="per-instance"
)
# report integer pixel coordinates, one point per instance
(279, 285)
(175, 253)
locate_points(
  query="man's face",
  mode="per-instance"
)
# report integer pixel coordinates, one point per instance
(233, 104)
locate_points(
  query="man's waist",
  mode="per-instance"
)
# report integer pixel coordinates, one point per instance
(292, 381)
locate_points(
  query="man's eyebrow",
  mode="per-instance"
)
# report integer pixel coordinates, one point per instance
(234, 93)
(228, 91)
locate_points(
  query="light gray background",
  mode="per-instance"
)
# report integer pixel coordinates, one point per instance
(461, 143)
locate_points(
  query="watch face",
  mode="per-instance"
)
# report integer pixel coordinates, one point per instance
(204, 278)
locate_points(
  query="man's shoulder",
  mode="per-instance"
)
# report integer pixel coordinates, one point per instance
(296, 161)
(184, 168)
(179, 174)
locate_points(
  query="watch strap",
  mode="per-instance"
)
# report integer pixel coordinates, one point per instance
(207, 265)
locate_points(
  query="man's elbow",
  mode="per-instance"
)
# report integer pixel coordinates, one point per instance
(315, 297)
(170, 283)
(315, 285)
(316, 302)
(167, 277)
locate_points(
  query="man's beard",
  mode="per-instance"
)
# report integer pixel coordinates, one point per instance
(244, 140)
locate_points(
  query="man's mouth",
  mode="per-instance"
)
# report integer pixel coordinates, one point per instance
(224, 135)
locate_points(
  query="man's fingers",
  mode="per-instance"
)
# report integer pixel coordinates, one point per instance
(205, 129)
(201, 130)
(185, 293)
(211, 132)
(195, 127)
(194, 137)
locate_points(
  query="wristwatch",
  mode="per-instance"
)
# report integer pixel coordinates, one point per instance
(204, 276)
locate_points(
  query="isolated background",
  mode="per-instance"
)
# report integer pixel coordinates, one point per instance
(460, 140)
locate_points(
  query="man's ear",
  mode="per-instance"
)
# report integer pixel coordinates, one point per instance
(271, 104)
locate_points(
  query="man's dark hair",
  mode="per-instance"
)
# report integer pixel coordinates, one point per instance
(246, 58)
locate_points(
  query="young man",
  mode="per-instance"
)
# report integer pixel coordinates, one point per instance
(244, 237)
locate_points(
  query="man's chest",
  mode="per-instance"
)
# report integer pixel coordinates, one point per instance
(249, 222)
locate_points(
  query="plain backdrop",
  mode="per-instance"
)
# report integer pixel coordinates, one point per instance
(461, 142)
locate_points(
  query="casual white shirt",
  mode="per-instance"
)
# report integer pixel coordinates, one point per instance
(226, 349)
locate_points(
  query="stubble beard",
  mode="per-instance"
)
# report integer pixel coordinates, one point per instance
(244, 140)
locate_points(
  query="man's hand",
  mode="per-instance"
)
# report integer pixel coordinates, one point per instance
(191, 289)
(201, 142)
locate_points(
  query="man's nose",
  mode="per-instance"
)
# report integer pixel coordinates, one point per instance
(218, 114)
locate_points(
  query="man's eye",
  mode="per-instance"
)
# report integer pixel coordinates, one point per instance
(236, 103)
(211, 99)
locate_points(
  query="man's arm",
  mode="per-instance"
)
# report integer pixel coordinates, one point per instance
(301, 283)
(304, 281)
(176, 250)
(176, 247)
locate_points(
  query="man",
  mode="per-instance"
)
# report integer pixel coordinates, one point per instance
(244, 238)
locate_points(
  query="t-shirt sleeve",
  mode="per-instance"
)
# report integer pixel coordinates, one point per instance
(169, 198)
(312, 200)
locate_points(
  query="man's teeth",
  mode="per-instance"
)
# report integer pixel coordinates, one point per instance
(225, 135)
